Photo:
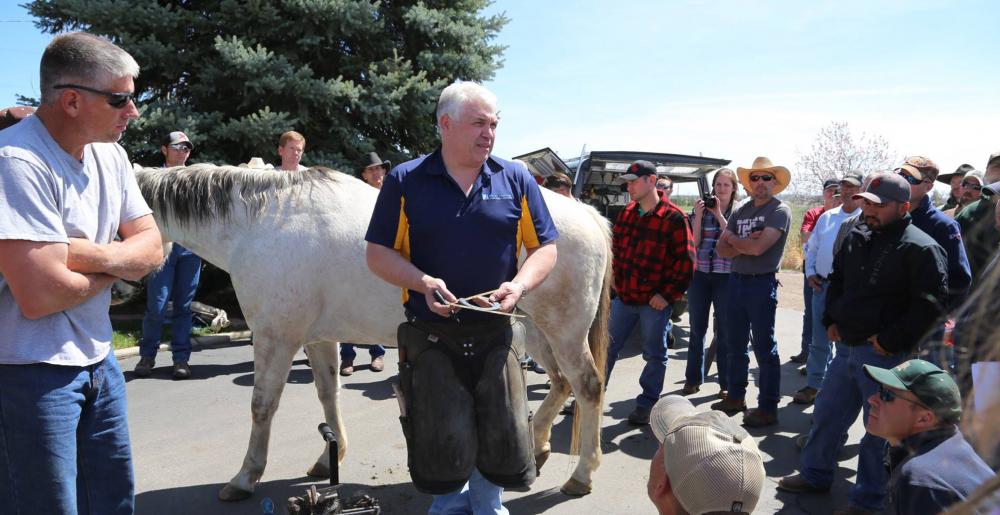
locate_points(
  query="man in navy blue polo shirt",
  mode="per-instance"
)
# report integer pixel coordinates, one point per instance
(452, 223)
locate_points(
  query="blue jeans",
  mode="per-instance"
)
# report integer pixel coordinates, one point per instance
(347, 351)
(177, 281)
(752, 304)
(477, 497)
(808, 316)
(654, 347)
(64, 443)
(845, 392)
(821, 349)
(707, 289)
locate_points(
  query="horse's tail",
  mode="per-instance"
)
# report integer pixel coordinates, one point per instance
(598, 340)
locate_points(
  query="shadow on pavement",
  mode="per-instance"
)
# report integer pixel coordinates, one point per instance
(378, 390)
(540, 502)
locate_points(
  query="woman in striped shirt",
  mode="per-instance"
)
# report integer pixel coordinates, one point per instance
(711, 278)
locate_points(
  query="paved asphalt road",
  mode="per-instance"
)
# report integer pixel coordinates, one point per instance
(189, 438)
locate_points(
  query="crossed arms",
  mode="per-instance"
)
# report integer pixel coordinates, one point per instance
(47, 278)
(731, 246)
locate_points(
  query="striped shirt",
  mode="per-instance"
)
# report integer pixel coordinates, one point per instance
(707, 260)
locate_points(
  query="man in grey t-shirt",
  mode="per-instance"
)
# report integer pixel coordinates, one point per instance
(755, 240)
(68, 191)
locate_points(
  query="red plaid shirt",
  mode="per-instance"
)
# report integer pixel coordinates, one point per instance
(652, 253)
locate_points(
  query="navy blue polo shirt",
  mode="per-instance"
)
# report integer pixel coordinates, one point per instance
(946, 233)
(472, 243)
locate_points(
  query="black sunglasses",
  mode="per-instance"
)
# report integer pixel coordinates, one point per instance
(910, 179)
(116, 100)
(972, 186)
(887, 395)
(765, 178)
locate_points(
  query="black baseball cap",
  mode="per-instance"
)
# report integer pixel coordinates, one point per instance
(639, 169)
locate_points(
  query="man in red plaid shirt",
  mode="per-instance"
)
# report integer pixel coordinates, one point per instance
(651, 243)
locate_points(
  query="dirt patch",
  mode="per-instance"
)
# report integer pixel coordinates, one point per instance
(790, 292)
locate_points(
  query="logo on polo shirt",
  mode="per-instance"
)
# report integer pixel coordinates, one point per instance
(497, 196)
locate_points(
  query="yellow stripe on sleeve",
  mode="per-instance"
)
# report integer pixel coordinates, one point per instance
(526, 228)
(402, 243)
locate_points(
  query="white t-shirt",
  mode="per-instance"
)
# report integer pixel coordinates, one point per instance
(49, 196)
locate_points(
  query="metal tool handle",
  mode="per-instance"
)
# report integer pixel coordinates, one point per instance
(331, 438)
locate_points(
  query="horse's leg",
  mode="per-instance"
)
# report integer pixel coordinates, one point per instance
(325, 360)
(541, 351)
(587, 386)
(272, 359)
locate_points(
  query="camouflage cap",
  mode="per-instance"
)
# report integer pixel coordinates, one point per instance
(920, 167)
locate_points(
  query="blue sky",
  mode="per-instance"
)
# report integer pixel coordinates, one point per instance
(725, 79)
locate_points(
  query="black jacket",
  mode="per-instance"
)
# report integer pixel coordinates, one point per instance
(893, 283)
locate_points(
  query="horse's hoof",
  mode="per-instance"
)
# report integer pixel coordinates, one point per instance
(540, 460)
(574, 488)
(230, 493)
(319, 470)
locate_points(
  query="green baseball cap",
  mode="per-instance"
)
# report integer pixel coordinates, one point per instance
(933, 386)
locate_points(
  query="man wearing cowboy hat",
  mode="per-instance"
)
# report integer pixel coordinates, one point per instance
(954, 181)
(755, 240)
(373, 170)
(887, 287)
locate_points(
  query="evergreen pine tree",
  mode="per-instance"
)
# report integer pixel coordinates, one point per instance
(353, 76)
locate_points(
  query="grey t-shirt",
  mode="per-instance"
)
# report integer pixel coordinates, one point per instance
(49, 196)
(745, 219)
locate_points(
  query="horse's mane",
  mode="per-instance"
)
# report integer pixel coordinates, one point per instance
(192, 194)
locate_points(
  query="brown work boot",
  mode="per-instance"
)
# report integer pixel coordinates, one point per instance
(760, 418)
(730, 406)
(690, 389)
(639, 416)
(347, 367)
(806, 395)
(145, 367)
(799, 358)
(378, 364)
(797, 484)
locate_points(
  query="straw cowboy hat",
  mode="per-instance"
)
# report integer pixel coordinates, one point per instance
(763, 164)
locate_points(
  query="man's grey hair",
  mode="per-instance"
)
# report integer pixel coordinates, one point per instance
(83, 59)
(455, 96)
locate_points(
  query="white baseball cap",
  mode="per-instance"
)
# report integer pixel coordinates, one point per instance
(713, 464)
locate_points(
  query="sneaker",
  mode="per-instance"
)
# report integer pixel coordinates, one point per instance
(806, 395)
(730, 406)
(799, 358)
(569, 407)
(145, 367)
(639, 416)
(181, 370)
(798, 484)
(760, 418)
(690, 389)
(347, 367)
(378, 365)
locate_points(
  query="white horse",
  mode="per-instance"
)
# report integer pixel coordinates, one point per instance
(293, 243)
